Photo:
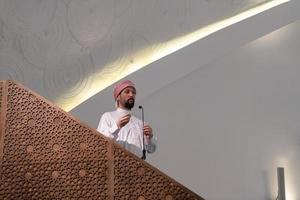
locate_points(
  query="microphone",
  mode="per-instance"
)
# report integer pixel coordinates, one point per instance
(144, 150)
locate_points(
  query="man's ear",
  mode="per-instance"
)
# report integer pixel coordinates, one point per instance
(117, 101)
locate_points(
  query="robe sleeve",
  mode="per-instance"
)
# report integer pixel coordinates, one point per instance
(108, 127)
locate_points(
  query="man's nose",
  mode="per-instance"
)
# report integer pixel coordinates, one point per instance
(131, 94)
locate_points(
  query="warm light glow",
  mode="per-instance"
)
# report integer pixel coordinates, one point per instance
(289, 186)
(118, 70)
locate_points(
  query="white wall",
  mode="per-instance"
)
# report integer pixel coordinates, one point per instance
(226, 116)
(224, 127)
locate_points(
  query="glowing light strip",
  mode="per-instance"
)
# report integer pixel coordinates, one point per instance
(116, 71)
(289, 171)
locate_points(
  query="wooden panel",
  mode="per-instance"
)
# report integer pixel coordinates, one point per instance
(48, 154)
(137, 180)
(2, 117)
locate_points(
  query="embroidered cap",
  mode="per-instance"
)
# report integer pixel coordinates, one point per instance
(121, 86)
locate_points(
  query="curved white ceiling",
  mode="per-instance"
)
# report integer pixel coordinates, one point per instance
(57, 47)
(70, 50)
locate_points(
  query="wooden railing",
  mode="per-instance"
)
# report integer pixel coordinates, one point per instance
(45, 153)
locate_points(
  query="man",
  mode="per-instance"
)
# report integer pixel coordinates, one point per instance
(122, 126)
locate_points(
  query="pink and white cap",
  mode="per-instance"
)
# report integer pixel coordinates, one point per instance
(121, 86)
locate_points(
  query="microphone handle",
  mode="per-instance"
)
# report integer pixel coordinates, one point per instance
(144, 150)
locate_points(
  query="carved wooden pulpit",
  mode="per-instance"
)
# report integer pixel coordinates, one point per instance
(45, 153)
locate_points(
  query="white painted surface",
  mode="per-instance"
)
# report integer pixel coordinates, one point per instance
(225, 109)
(226, 125)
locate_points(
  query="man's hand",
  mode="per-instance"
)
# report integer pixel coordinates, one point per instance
(148, 131)
(123, 120)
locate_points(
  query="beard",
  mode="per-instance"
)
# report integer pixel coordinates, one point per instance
(129, 104)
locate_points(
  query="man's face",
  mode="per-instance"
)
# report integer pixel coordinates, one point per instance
(126, 98)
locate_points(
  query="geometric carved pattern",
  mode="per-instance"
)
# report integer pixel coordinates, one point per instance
(47, 154)
(46, 150)
(134, 179)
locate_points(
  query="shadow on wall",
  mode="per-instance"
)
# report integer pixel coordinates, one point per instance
(266, 185)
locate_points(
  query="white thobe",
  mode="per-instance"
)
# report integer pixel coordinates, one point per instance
(129, 136)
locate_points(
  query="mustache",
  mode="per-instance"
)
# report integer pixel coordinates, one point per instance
(129, 103)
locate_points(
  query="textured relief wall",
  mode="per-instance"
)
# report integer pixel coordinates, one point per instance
(55, 46)
(47, 154)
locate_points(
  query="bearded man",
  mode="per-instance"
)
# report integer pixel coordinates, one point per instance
(126, 129)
